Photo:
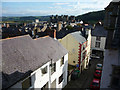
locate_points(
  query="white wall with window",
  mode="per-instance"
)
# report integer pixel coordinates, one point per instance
(96, 40)
(98, 43)
(61, 68)
(47, 76)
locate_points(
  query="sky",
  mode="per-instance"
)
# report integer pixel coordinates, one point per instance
(51, 7)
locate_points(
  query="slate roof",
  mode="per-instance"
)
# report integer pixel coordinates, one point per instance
(78, 36)
(99, 31)
(23, 55)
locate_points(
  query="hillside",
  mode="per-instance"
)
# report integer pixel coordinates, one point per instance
(25, 18)
(92, 17)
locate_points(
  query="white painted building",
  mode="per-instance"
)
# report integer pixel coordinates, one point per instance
(39, 63)
(48, 78)
(98, 40)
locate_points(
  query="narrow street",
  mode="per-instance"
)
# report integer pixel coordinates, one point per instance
(86, 76)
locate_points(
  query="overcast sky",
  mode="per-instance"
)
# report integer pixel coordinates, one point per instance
(51, 7)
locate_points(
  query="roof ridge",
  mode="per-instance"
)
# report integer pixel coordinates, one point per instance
(15, 37)
(41, 37)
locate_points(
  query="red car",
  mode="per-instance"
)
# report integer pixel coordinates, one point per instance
(97, 73)
(95, 83)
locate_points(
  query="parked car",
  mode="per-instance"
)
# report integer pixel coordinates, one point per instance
(99, 66)
(95, 83)
(97, 74)
(93, 56)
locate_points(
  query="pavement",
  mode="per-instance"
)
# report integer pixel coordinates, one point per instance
(86, 76)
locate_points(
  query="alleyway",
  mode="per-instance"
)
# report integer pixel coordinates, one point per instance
(86, 76)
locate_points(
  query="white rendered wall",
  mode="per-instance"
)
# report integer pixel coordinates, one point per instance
(39, 80)
(59, 71)
(93, 41)
(87, 49)
(102, 43)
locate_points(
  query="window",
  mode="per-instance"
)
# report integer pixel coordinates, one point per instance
(84, 55)
(45, 87)
(73, 61)
(97, 44)
(44, 70)
(98, 38)
(26, 83)
(60, 78)
(62, 60)
(53, 67)
(53, 84)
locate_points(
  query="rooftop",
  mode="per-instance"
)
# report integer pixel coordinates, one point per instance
(22, 55)
(99, 31)
(78, 36)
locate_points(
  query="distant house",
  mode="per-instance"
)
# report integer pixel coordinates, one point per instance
(111, 65)
(99, 35)
(33, 63)
(78, 49)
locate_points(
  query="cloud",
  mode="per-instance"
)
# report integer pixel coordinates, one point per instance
(61, 3)
(86, 6)
(70, 8)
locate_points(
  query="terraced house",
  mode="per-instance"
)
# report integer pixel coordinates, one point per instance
(78, 46)
(33, 63)
(99, 35)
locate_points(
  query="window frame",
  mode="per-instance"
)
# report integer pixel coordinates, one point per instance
(74, 61)
(44, 87)
(97, 44)
(62, 61)
(30, 83)
(98, 38)
(53, 68)
(44, 72)
(61, 78)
